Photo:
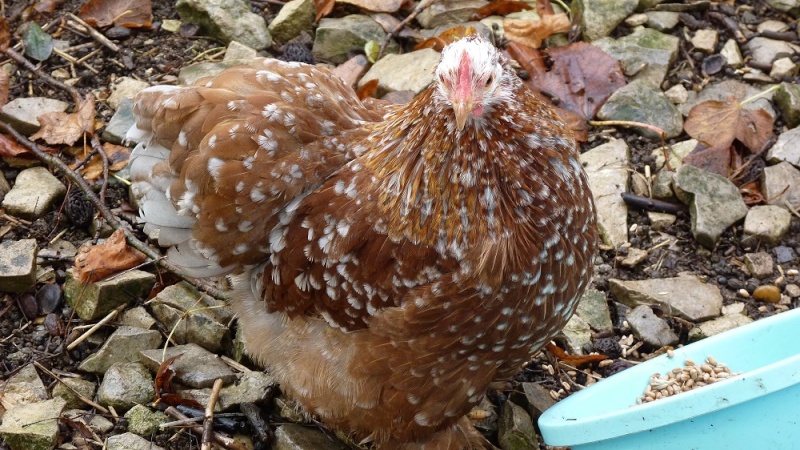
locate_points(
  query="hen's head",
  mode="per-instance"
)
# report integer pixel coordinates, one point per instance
(472, 78)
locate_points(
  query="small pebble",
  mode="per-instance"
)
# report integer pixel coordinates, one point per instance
(767, 293)
(792, 272)
(743, 293)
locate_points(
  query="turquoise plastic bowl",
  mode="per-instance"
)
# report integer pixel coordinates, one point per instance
(759, 409)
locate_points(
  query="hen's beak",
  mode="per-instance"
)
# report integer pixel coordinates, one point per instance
(462, 109)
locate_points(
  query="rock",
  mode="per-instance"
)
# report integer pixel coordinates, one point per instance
(784, 254)
(144, 421)
(651, 329)
(137, 317)
(733, 308)
(767, 293)
(792, 290)
(227, 20)
(446, 12)
(787, 148)
(759, 264)
(352, 70)
(640, 101)
(662, 185)
(126, 385)
(18, 265)
(729, 90)
(787, 97)
(69, 386)
(768, 223)
(23, 388)
(714, 202)
(733, 56)
(660, 221)
(197, 367)
(238, 52)
(783, 68)
(593, 308)
(705, 40)
(22, 113)
(635, 257)
(130, 441)
(662, 20)
(489, 422)
(95, 422)
(294, 17)
(677, 94)
(600, 17)
(764, 50)
(123, 345)
(636, 20)
(176, 307)
(676, 153)
(249, 387)
(684, 296)
(716, 326)
(297, 437)
(607, 168)
(35, 191)
(120, 122)
(336, 38)
(781, 184)
(93, 300)
(575, 335)
(407, 72)
(646, 51)
(189, 74)
(537, 398)
(125, 89)
(790, 6)
(33, 426)
(171, 25)
(4, 186)
(515, 429)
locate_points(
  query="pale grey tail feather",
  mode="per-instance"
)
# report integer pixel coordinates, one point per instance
(193, 263)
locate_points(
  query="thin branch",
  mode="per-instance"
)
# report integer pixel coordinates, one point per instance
(208, 420)
(422, 6)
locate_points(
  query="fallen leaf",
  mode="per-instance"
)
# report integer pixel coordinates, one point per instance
(717, 124)
(532, 32)
(5, 34)
(40, 9)
(38, 44)
(751, 194)
(579, 78)
(123, 13)
(578, 361)
(368, 89)
(117, 160)
(711, 159)
(387, 6)
(323, 7)
(500, 8)
(67, 128)
(96, 262)
(163, 386)
(445, 38)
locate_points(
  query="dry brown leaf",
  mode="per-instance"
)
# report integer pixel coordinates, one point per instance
(717, 124)
(578, 361)
(711, 159)
(500, 8)
(123, 13)
(95, 262)
(323, 7)
(532, 32)
(368, 89)
(67, 128)
(4, 87)
(40, 9)
(117, 160)
(387, 6)
(5, 34)
(447, 37)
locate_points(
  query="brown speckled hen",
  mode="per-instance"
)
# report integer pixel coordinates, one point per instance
(391, 261)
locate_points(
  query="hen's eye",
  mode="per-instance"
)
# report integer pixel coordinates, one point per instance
(489, 80)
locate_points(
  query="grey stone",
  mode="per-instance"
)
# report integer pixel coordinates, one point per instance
(123, 345)
(93, 300)
(125, 385)
(120, 123)
(764, 50)
(23, 388)
(197, 367)
(18, 265)
(634, 257)
(191, 73)
(781, 184)
(411, 71)
(792, 290)
(714, 203)
(790, 6)
(130, 441)
(205, 323)
(336, 38)
(515, 429)
(95, 422)
(733, 56)
(646, 54)
(662, 185)
(4, 186)
(237, 51)
(33, 426)
(684, 296)
(69, 386)
(294, 17)
(636, 20)
(729, 90)
(659, 221)
(676, 152)
(227, 20)
(575, 335)
(35, 191)
(144, 421)
(784, 254)
(607, 168)
(137, 317)
(249, 387)
(297, 437)
(446, 12)
(759, 264)
(768, 223)
(716, 326)
(22, 113)
(705, 40)
(537, 398)
(639, 101)
(787, 148)
(787, 97)
(677, 94)
(662, 20)
(593, 308)
(125, 88)
(600, 17)
(783, 68)
(651, 329)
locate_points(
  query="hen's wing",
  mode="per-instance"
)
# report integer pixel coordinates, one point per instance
(219, 160)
